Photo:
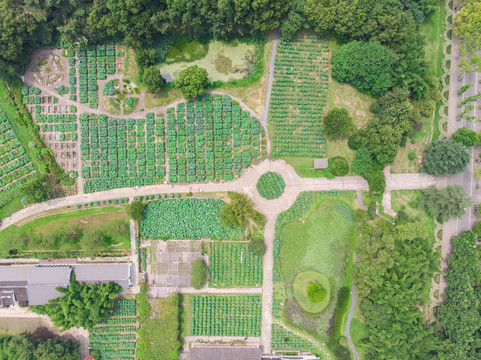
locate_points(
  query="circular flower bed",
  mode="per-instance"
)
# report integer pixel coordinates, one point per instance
(270, 185)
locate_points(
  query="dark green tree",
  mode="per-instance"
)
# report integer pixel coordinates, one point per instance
(153, 80)
(238, 211)
(362, 161)
(24, 346)
(192, 81)
(258, 247)
(366, 65)
(199, 274)
(136, 210)
(338, 166)
(337, 123)
(446, 203)
(315, 292)
(466, 136)
(443, 157)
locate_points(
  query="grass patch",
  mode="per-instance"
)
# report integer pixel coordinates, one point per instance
(89, 229)
(319, 241)
(42, 63)
(303, 166)
(129, 109)
(111, 105)
(300, 292)
(184, 50)
(159, 329)
(185, 316)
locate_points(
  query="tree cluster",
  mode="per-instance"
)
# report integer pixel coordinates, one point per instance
(25, 347)
(81, 305)
(192, 81)
(337, 123)
(443, 157)
(460, 312)
(396, 264)
(446, 203)
(238, 211)
(136, 210)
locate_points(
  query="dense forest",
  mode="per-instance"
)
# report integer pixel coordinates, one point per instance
(25, 347)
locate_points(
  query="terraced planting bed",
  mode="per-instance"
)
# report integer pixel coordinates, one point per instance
(226, 315)
(210, 139)
(234, 264)
(285, 339)
(118, 153)
(15, 165)
(185, 219)
(298, 97)
(270, 185)
(115, 337)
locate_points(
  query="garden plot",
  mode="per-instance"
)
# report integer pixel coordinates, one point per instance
(120, 153)
(48, 67)
(15, 165)
(171, 262)
(232, 264)
(185, 219)
(115, 337)
(298, 98)
(223, 62)
(226, 315)
(117, 97)
(210, 139)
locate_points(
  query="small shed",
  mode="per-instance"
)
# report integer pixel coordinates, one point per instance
(321, 163)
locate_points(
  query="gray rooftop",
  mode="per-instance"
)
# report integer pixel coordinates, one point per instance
(201, 352)
(321, 163)
(41, 294)
(102, 272)
(10, 273)
(49, 275)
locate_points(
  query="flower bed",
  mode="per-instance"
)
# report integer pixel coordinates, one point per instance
(112, 337)
(270, 185)
(118, 153)
(210, 139)
(298, 97)
(185, 219)
(15, 165)
(234, 264)
(226, 315)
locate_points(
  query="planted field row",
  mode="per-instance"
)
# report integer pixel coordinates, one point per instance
(226, 315)
(211, 139)
(185, 219)
(15, 165)
(119, 153)
(95, 63)
(298, 97)
(234, 264)
(111, 337)
(286, 340)
(270, 185)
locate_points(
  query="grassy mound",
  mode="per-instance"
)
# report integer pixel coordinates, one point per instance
(300, 291)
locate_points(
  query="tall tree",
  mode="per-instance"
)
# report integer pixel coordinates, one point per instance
(192, 81)
(446, 203)
(443, 157)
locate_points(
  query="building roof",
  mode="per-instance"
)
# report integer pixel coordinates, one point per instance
(10, 273)
(321, 163)
(41, 294)
(97, 273)
(201, 352)
(49, 275)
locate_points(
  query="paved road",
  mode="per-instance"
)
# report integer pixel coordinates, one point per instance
(455, 227)
(348, 323)
(271, 78)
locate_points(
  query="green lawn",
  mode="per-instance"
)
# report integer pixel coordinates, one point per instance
(300, 292)
(90, 229)
(319, 241)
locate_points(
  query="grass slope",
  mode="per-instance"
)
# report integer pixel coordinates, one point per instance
(90, 229)
(300, 290)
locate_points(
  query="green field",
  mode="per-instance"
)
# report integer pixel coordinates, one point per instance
(300, 293)
(318, 241)
(91, 229)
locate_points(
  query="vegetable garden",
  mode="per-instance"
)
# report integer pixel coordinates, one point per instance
(210, 139)
(185, 219)
(65, 124)
(234, 264)
(120, 153)
(298, 97)
(226, 315)
(270, 185)
(15, 165)
(115, 337)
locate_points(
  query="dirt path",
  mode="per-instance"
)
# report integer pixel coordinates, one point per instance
(271, 78)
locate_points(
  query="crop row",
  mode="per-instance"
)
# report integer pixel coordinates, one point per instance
(270, 185)
(234, 264)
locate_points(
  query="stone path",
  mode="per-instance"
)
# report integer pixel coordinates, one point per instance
(134, 255)
(271, 78)
(348, 323)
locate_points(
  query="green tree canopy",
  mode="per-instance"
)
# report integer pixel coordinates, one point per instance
(443, 157)
(153, 80)
(192, 81)
(25, 347)
(467, 25)
(199, 274)
(315, 292)
(446, 203)
(136, 210)
(338, 166)
(337, 123)
(366, 65)
(362, 161)
(81, 305)
(466, 136)
(238, 211)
